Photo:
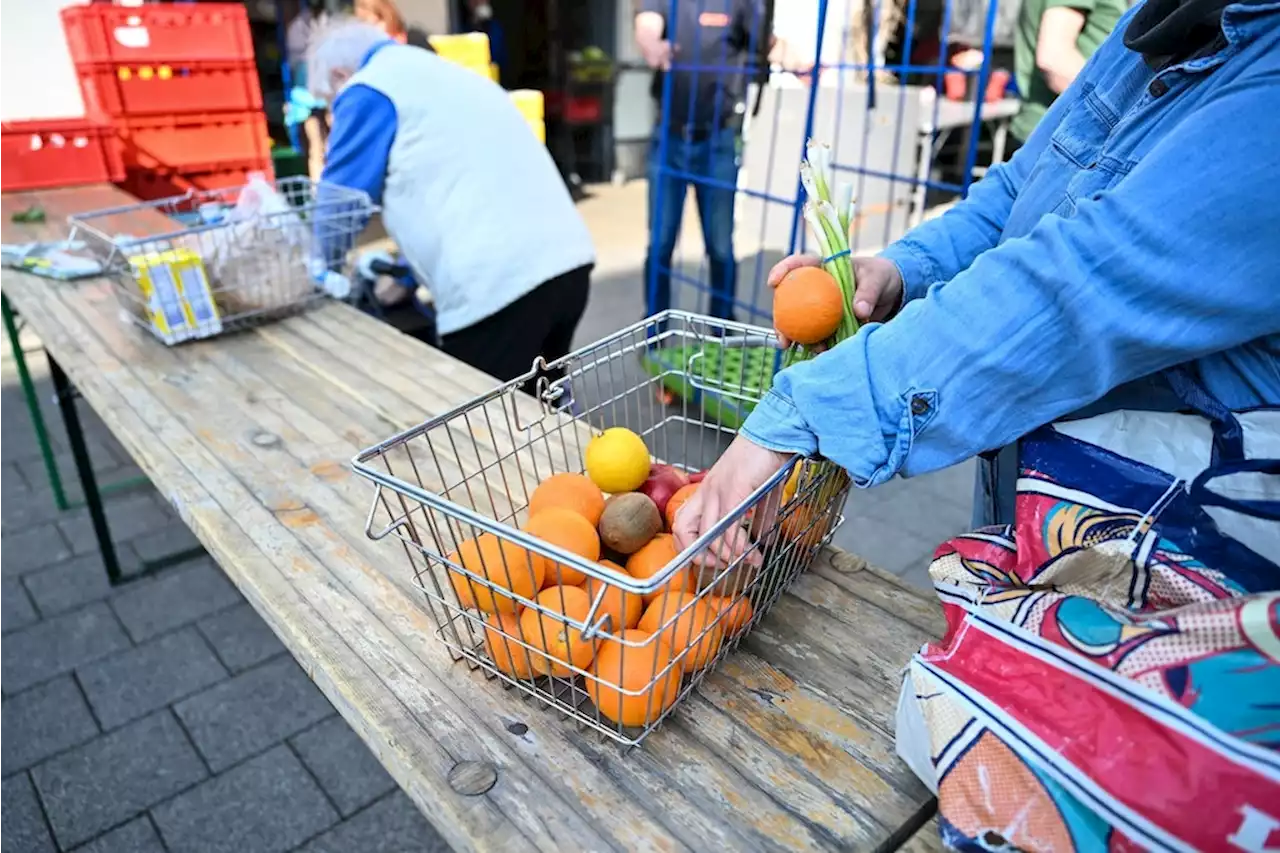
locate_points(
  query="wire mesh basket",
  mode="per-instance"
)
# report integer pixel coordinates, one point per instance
(613, 641)
(214, 261)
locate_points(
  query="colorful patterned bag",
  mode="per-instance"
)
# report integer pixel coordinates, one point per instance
(1110, 675)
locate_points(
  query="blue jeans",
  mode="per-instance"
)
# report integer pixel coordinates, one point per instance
(715, 158)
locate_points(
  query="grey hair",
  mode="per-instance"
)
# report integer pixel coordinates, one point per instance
(339, 46)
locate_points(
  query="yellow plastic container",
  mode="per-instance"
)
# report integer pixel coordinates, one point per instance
(470, 50)
(530, 103)
(539, 130)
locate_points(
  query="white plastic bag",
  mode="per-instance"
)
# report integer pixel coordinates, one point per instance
(258, 257)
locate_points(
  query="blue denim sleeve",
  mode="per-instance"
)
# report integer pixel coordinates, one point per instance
(364, 127)
(937, 250)
(1156, 272)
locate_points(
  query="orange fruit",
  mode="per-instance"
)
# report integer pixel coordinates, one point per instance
(681, 620)
(624, 608)
(506, 653)
(734, 615)
(505, 566)
(570, 531)
(652, 558)
(628, 685)
(805, 525)
(568, 491)
(551, 633)
(808, 305)
(677, 500)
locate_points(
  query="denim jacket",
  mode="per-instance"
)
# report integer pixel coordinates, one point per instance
(1137, 229)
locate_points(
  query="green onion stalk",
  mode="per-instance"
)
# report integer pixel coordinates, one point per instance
(829, 218)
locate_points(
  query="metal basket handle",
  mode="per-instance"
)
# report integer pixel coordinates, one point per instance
(743, 342)
(394, 525)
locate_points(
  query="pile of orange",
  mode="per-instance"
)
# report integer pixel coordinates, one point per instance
(534, 604)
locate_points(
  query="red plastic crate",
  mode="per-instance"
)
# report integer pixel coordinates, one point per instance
(150, 185)
(48, 153)
(583, 109)
(158, 32)
(169, 88)
(199, 142)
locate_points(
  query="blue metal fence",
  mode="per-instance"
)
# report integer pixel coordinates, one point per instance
(888, 123)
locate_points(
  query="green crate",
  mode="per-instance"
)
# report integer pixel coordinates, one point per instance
(721, 373)
(288, 163)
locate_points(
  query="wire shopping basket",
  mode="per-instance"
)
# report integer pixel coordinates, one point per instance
(615, 642)
(214, 261)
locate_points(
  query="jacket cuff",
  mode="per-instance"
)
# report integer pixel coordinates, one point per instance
(776, 424)
(915, 268)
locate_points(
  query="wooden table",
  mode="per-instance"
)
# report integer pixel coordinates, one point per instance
(788, 746)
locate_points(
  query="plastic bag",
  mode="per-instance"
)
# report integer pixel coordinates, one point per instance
(258, 257)
(1110, 676)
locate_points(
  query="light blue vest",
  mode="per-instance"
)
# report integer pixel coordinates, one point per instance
(473, 200)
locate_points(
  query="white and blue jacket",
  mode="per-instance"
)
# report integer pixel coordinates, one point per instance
(472, 199)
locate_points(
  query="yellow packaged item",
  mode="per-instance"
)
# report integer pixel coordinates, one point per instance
(202, 310)
(162, 296)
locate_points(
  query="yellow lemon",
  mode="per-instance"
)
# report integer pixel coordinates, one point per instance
(617, 460)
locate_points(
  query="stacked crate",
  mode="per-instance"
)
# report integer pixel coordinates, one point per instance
(46, 139)
(178, 84)
(471, 50)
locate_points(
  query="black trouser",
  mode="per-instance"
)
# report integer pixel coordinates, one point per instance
(540, 323)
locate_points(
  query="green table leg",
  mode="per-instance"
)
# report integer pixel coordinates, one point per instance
(33, 406)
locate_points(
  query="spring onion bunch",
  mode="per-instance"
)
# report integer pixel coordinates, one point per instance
(829, 218)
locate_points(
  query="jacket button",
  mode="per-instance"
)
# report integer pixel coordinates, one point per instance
(1157, 88)
(919, 405)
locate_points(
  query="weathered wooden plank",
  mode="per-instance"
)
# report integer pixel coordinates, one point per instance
(926, 840)
(892, 595)
(268, 567)
(822, 739)
(269, 511)
(773, 826)
(787, 746)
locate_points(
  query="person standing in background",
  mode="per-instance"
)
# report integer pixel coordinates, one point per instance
(300, 36)
(1053, 40)
(713, 39)
(384, 15)
(471, 198)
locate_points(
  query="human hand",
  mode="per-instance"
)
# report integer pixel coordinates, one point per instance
(743, 468)
(879, 286)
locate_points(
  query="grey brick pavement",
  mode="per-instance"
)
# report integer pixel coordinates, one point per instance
(246, 714)
(162, 715)
(22, 824)
(240, 638)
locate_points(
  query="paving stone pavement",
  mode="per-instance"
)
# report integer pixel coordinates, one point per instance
(162, 715)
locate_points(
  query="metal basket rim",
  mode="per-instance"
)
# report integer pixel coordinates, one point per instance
(629, 584)
(82, 221)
